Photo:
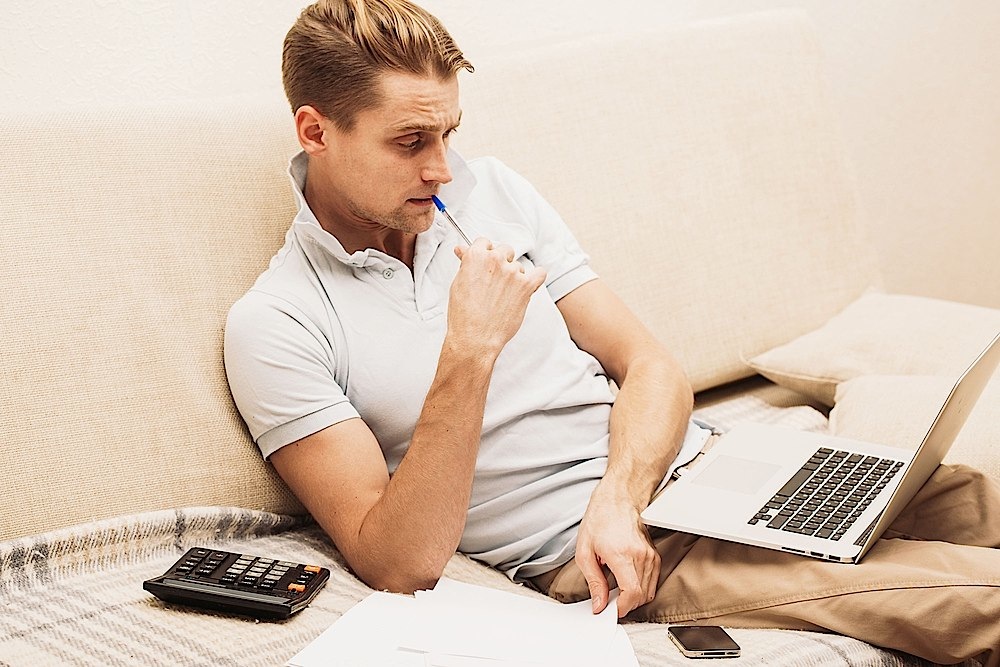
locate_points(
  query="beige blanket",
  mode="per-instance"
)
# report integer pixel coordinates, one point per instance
(75, 596)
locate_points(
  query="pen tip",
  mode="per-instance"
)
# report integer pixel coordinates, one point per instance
(438, 203)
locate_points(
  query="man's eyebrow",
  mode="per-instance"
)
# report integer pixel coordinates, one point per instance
(405, 127)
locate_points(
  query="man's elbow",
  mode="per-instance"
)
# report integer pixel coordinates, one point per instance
(403, 576)
(405, 582)
(659, 363)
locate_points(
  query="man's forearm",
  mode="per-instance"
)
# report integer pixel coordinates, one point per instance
(415, 527)
(648, 423)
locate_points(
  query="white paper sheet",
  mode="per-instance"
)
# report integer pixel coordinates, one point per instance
(466, 620)
(620, 654)
(462, 625)
(365, 636)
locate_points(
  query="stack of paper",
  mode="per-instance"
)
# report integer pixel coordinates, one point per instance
(461, 625)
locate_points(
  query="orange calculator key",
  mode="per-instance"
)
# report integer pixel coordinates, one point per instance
(298, 588)
(311, 568)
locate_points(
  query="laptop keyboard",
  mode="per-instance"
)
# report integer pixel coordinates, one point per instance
(828, 494)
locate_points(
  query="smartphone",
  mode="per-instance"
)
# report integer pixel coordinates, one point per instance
(703, 641)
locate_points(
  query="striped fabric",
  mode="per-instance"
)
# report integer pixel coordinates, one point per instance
(74, 596)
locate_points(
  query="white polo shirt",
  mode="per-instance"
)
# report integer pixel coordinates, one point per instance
(325, 336)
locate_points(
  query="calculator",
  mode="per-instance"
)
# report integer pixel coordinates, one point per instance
(263, 588)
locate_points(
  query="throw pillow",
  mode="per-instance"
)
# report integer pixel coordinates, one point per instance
(898, 410)
(881, 334)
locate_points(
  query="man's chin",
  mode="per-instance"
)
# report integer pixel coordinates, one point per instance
(423, 219)
(413, 222)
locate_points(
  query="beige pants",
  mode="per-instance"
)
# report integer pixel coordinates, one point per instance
(929, 587)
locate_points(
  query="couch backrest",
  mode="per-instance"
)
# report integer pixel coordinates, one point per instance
(126, 236)
(698, 166)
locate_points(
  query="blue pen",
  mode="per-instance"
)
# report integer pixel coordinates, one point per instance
(440, 207)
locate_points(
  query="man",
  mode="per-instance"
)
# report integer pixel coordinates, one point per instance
(422, 396)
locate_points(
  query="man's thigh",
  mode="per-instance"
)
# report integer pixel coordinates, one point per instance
(702, 577)
(717, 578)
(958, 504)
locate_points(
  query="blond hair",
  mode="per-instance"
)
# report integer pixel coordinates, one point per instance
(336, 50)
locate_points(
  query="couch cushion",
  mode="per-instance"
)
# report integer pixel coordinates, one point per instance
(881, 334)
(701, 169)
(127, 235)
(898, 409)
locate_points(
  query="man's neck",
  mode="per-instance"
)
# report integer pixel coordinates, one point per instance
(392, 242)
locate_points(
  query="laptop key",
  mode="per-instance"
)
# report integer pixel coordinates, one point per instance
(792, 485)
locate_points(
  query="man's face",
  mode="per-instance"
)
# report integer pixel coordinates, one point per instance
(383, 172)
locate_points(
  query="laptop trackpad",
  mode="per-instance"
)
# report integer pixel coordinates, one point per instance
(735, 474)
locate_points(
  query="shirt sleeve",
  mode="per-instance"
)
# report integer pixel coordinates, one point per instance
(282, 372)
(555, 247)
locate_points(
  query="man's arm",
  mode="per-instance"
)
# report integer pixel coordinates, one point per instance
(648, 422)
(399, 533)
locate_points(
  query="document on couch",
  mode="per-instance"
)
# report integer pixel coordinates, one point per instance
(463, 625)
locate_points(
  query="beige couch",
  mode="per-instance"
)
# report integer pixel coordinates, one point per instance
(700, 167)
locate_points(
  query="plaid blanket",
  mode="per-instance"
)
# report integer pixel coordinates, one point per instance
(75, 597)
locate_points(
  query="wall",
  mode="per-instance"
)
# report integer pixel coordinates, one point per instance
(916, 84)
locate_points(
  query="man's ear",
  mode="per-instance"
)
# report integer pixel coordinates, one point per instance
(310, 127)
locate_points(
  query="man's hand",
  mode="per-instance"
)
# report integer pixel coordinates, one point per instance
(612, 534)
(489, 295)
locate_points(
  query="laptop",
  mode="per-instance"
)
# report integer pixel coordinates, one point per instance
(808, 493)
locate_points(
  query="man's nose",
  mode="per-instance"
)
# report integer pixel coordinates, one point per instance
(437, 170)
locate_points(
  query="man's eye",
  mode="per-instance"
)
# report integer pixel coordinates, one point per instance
(411, 144)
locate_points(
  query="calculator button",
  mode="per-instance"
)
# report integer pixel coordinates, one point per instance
(298, 588)
(314, 569)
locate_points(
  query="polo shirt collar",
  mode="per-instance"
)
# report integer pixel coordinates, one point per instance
(453, 194)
